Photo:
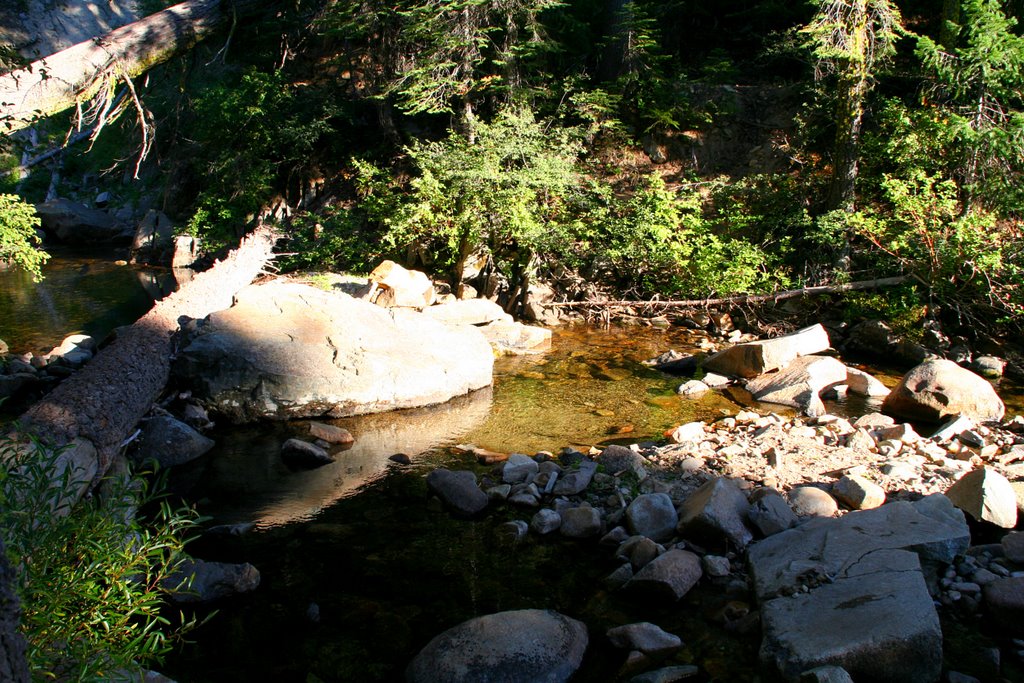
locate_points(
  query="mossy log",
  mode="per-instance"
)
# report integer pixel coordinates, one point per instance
(73, 76)
(103, 402)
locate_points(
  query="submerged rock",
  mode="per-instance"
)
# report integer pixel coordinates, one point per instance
(522, 645)
(458, 491)
(287, 350)
(202, 581)
(169, 442)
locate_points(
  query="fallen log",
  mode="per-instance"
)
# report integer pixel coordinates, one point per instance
(102, 403)
(740, 298)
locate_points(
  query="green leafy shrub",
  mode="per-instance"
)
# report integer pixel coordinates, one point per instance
(19, 243)
(90, 578)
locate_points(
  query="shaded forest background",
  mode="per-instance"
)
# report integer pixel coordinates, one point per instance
(600, 148)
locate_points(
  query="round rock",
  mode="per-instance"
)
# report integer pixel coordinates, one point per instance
(858, 493)
(810, 501)
(581, 522)
(652, 515)
(522, 645)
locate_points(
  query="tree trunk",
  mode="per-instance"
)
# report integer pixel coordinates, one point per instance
(13, 666)
(73, 76)
(102, 402)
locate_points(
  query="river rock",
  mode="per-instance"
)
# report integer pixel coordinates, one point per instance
(1004, 600)
(581, 522)
(288, 350)
(689, 432)
(169, 442)
(519, 468)
(458, 490)
(858, 493)
(693, 387)
(575, 479)
(401, 288)
(668, 674)
(715, 511)
(645, 637)
(639, 550)
(545, 521)
(826, 674)
(154, 238)
(987, 496)
(523, 645)
(468, 312)
(771, 514)
(810, 501)
(330, 433)
(184, 254)
(989, 366)
(799, 382)
(1013, 546)
(74, 223)
(937, 390)
(668, 577)
(860, 440)
(652, 515)
(756, 358)
(210, 581)
(299, 453)
(863, 384)
(617, 459)
(515, 339)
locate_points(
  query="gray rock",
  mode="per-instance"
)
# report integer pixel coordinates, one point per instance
(514, 339)
(872, 421)
(468, 312)
(500, 492)
(989, 366)
(330, 433)
(771, 514)
(287, 350)
(154, 237)
(1004, 600)
(545, 522)
(871, 336)
(575, 480)
(716, 511)
(693, 387)
(939, 389)
(860, 440)
(645, 637)
(668, 577)
(519, 468)
(858, 493)
(169, 442)
(810, 501)
(863, 384)
(620, 577)
(652, 515)
(513, 532)
(1013, 546)
(876, 620)
(74, 223)
(616, 459)
(639, 550)
(527, 495)
(798, 383)
(184, 253)
(300, 453)
(668, 674)
(716, 566)
(398, 287)
(581, 522)
(689, 432)
(826, 674)
(458, 491)
(987, 496)
(202, 581)
(756, 358)
(523, 645)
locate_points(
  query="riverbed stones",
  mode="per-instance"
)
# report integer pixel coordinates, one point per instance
(519, 468)
(288, 350)
(581, 522)
(169, 442)
(198, 581)
(715, 512)
(521, 645)
(617, 459)
(861, 599)
(799, 382)
(1013, 546)
(1004, 600)
(545, 521)
(826, 674)
(810, 501)
(299, 453)
(771, 514)
(987, 496)
(858, 493)
(939, 389)
(668, 577)
(74, 223)
(652, 515)
(330, 433)
(575, 479)
(864, 384)
(458, 490)
(755, 358)
(644, 637)
(667, 674)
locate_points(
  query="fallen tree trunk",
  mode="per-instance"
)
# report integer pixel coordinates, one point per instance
(102, 402)
(741, 298)
(73, 76)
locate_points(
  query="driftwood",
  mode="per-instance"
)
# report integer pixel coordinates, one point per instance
(91, 68)
(739, 299)
(102, 402)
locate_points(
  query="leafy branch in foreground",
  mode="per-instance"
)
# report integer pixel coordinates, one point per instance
(90, 578)
(19, 243)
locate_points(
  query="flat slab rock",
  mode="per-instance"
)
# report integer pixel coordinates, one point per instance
(523, 645)
(755, 358)
(867, 608)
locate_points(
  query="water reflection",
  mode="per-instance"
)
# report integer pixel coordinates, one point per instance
(80, 292)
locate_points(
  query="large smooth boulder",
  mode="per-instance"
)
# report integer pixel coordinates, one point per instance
(287, 350)
(800, 382)
(74, 223)
(937, 390)
(756, 358)
(519, 646)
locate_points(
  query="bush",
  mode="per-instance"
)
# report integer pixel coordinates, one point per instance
(18, 239)
(90, 578)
